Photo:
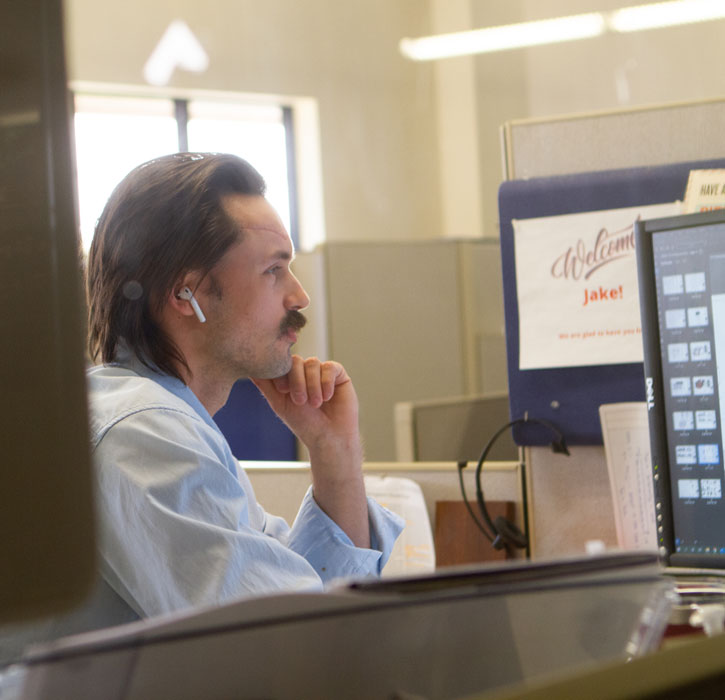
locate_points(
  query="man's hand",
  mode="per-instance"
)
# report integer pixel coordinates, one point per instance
(316, 400)
(318, 403)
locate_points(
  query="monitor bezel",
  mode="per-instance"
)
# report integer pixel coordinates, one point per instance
(47, 511)
(654, 384)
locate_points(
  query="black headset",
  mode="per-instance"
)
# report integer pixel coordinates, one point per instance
(501, 531)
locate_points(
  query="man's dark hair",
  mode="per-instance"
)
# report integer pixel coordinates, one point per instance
(163, 220)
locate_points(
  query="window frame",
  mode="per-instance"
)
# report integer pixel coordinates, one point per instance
(300, 119)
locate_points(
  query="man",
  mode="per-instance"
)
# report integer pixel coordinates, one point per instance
(190, 289)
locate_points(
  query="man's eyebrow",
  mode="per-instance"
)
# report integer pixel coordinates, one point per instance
(277, 255)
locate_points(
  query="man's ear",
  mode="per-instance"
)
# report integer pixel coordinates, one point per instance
(176, 303)
(182, 300)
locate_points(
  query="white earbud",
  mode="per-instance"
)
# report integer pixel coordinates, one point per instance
(187, 294)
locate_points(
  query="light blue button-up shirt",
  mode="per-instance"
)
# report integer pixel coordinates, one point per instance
(179, 523)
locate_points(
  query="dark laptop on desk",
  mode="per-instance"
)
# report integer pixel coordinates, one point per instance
(681, 268)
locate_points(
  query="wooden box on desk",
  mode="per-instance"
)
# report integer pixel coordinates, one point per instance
(458, 539)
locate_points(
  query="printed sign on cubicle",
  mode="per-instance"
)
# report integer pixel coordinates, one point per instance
(577, 287)
(705, 191)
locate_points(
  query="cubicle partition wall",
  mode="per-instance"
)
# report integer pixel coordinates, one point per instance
(452, 429)
(252, 428)
(410, 320)
(573, 164)
(658, 134)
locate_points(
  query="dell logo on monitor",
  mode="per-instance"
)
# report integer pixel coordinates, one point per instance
(649, 384)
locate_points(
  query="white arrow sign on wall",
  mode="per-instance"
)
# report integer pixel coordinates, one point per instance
(178, 47)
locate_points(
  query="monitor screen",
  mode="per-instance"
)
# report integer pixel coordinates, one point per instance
(681, 264)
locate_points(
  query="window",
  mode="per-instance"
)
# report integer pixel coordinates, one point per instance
(116, 133)
(257, 133)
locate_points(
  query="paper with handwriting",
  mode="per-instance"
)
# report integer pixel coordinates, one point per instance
(625, 427)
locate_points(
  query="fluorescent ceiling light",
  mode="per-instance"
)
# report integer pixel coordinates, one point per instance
(510, 36)
(551, 31)
(665, 14)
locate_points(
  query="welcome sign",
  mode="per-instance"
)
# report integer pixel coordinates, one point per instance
(578, 297)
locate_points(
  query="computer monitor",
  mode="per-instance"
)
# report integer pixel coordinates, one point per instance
(681, 267)
(47, 550)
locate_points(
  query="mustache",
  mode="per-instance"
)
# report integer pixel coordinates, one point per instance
(293, 321)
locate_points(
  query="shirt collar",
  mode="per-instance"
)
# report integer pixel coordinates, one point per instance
(128, 359)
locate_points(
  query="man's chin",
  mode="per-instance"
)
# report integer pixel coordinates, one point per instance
(280, 369)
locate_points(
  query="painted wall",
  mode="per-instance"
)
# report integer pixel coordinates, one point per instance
(394, 133)
(377, 118)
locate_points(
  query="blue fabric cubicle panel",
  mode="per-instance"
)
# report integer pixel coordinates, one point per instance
(570, 397)
(252, 428)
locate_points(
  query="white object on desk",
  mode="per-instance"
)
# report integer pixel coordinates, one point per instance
(413, 552)
(625, 428)
(710, 617)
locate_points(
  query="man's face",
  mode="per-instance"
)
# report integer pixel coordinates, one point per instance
(251, 298)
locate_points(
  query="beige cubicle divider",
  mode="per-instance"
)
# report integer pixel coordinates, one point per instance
(608, 140)
(410, 320)
(453, 429)
(569, 501)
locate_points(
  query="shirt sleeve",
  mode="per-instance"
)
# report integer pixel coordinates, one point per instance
(330, 551)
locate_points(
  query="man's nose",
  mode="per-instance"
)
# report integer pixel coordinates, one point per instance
(297, 298)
